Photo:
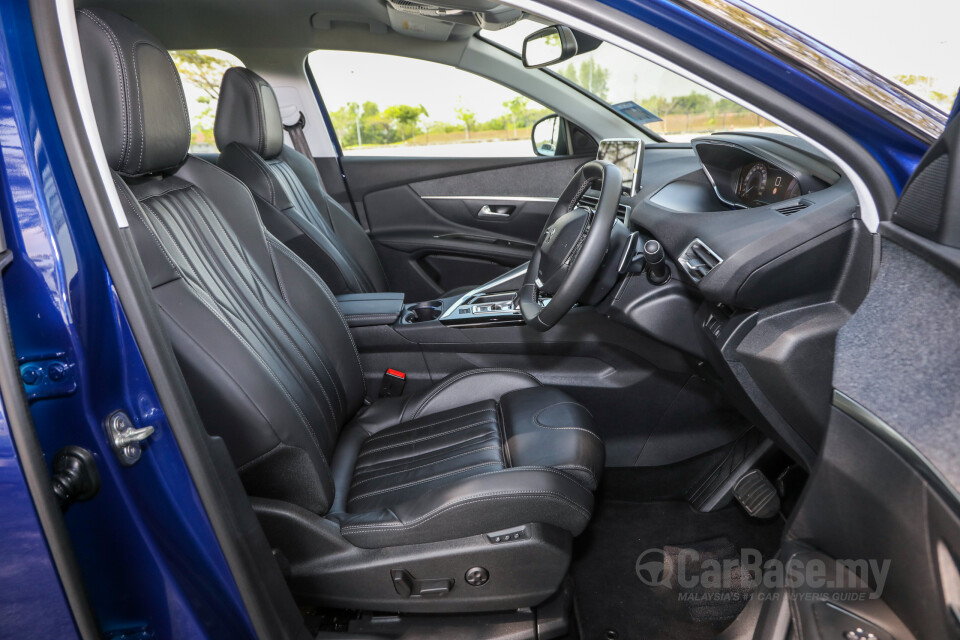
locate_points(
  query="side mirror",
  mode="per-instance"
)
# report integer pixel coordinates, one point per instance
(549, 46)
(548, 136)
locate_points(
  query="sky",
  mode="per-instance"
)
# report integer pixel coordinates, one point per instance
(891, 37)
(344, 76)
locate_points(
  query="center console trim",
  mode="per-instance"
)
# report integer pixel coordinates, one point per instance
(509, 275)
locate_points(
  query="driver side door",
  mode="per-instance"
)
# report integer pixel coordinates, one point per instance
(449, 188)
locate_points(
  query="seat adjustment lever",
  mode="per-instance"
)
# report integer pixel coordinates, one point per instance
(409, 587)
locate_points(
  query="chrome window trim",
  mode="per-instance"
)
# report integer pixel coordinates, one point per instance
(853, 80)
(494, 198)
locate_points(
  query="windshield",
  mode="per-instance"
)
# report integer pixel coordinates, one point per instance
(644, 92)
(916, 47)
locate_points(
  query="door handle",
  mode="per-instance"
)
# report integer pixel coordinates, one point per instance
(498, 211)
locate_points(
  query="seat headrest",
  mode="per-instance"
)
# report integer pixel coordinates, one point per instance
(248, 114)
(137, 97)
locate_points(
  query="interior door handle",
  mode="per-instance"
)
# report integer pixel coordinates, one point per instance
(499, 211)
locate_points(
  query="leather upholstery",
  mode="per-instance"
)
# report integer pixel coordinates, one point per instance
(311, 223)
(370, 309)
(248, 114)
(290, 196)
(471, 455)
(274, 371)
(135, 88)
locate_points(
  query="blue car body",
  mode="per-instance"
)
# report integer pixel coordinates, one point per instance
(160, 571)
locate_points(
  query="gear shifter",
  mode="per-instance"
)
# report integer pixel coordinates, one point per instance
(657, 270)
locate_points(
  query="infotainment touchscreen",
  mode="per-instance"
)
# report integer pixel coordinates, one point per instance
(627, 154)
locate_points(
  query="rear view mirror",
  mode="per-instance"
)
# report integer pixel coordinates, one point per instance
(549, 46)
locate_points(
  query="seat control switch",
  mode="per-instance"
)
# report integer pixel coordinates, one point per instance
(508, 535)
(409, 587)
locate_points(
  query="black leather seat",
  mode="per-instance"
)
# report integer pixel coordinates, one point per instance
(372, 506)
(293, 204)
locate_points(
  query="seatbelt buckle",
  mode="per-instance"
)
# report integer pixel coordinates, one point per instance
(392, 384)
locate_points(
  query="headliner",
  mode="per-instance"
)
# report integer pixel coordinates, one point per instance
(245, 24)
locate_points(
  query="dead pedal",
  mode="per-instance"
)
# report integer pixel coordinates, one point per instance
(757, 495)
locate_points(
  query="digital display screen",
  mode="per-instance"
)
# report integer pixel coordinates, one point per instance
(762, 183)
(627, 154)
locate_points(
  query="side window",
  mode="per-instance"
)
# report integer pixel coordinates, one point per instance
(201, 71)
(388, 105)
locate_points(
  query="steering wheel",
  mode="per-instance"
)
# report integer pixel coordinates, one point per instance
(571, 247)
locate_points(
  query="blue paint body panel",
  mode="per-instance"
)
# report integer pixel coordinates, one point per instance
(147, 552)
(32, 602)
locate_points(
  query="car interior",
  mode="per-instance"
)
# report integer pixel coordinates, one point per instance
(467, 396)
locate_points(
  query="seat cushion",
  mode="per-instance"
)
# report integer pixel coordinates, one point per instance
(515, 457)
(399, 463)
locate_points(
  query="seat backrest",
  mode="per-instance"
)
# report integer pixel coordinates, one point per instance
(259, 337)
(290, 195)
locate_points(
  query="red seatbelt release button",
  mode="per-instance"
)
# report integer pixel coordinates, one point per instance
(392, 383)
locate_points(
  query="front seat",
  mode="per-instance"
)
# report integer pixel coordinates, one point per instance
(293, 204)
(464, 497)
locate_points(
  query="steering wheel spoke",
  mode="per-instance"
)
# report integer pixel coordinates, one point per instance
(571, 247)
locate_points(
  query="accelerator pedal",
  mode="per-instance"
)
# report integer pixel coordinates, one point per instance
(757, 495)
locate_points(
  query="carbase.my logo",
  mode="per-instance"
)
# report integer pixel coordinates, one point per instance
(650, 566)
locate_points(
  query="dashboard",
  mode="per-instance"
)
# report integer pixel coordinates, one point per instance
(751, 174)
(761, 235)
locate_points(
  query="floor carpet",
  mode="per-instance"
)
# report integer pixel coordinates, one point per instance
(613, 602)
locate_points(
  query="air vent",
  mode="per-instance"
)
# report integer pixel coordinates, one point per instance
(698, 260)
(590, 202)
(790, 209)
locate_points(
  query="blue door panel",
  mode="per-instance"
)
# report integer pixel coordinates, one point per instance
(32, 602)
(146, 550)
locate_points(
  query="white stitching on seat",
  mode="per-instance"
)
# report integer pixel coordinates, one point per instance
(207, 300)
(120, 66)
(538, 469)
(407, 485)
(393, 526)
(326, 292)
(389, 432)
(536, 419)
(464, 374)
(380, 474)
(425, 438)
(283, 330)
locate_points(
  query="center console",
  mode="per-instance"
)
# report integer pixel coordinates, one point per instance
(493, 302)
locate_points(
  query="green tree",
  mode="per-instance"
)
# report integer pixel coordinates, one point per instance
(593, 77)
(724, 105)
(923, 87)
(693, 102)
(204, 72)
(570, 73)
(468, 118)
(405, 117)
(590, 75)
(517, 108)
(201, 70)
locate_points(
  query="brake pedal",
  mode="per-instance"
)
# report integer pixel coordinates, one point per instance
(757, 495)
